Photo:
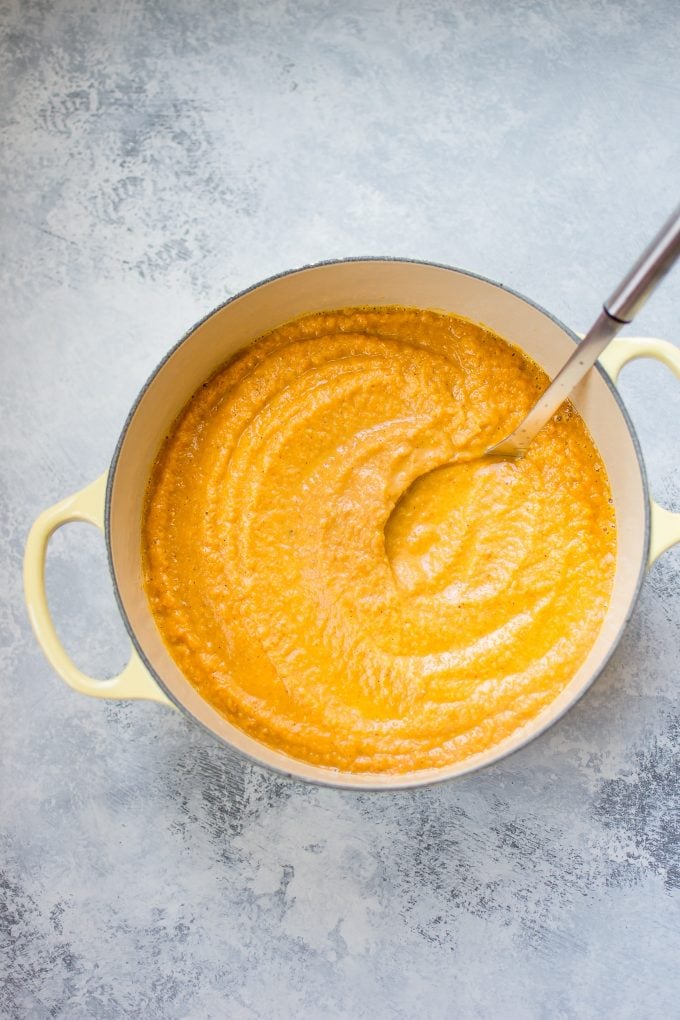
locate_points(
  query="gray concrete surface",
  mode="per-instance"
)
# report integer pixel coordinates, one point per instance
(157, 157)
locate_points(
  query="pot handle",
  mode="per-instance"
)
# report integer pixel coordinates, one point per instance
(86, 505)
(665, 523)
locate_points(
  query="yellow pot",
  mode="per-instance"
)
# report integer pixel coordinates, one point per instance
(114, 501)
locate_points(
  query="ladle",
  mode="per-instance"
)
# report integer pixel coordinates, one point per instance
(618, 311)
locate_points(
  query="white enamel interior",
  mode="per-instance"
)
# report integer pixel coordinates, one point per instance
(335, 285)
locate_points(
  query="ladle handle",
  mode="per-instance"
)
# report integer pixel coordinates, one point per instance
(619, 310)
(655, 261)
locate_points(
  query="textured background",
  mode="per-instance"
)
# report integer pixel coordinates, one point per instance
(156, 157)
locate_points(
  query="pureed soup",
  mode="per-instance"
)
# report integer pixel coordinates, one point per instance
(330, 601)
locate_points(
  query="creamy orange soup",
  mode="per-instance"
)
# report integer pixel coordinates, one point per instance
(329, 623)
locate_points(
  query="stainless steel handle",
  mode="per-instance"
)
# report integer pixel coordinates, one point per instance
(619, 310)
(650, 268)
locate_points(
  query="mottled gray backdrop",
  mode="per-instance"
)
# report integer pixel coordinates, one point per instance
(156, 157)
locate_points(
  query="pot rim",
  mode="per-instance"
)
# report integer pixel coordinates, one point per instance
(343, 780)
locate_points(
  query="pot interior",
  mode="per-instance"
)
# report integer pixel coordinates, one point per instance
(336, 285)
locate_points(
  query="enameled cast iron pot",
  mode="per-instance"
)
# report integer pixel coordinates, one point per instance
(114, 501)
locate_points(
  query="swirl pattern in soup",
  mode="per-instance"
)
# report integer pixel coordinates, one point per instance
(336, 605)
